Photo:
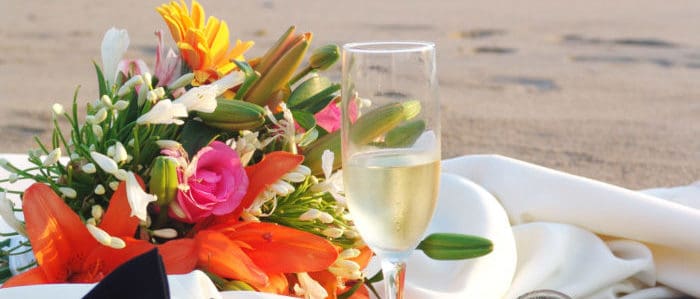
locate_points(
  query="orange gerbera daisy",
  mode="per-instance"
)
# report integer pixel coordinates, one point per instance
(203, 45)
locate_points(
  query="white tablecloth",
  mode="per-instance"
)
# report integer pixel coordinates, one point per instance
(551, 230)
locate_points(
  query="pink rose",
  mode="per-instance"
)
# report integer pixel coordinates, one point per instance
(214, 183)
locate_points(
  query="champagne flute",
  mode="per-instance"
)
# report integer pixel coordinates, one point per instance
(391, 147)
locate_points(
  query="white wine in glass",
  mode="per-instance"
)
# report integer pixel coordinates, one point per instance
(391, 147)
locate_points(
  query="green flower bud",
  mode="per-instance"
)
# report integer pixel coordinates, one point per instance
(449, 246)
(164, 182)
(324, 57)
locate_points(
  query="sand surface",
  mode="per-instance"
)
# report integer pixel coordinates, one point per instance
(603, 89)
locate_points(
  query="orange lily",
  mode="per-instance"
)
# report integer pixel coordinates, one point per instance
(203, 46)
(65, 250)
(260, 253)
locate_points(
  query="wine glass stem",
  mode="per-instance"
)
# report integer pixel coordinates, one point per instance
(394, 273)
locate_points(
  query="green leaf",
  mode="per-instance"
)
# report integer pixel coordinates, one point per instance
(101, 80)
(196, 135)
(305, 119)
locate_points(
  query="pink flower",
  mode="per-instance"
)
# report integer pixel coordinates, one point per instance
(330, 117)
(214, 182)
(167, 64)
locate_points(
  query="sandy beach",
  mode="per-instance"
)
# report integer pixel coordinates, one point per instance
(602, 89)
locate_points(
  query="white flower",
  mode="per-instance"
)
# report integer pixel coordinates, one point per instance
(58, 109)
(105, 162)
(138, 199)
(284, 128)
(164, 112)
(120, 154)
(246, 145)
(114, 45)
(332, 182)
(7, 214)
(203, 98)
(309, 288)
(89, 168)
(114, 185)
(52, 157)
(68, 192)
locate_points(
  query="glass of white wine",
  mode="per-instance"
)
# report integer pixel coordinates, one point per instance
(391, 147)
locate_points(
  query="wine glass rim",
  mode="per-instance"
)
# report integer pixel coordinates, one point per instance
(389, 46)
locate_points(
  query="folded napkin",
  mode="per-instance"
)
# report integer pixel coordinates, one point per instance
(589, 239)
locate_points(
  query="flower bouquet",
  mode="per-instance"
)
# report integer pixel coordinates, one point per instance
(225, 164)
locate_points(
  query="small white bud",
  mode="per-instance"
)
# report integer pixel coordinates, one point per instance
(74, 156)
(100, 190)
(325, 217)
(6, 165)
(121, 105)
(106, 163)
(90, 119)
(120, 154)
(303, 170)
(110, 151)
(309, 215)
(349, 253)
(97, 211)
(282, 188)
(106, 100)
(68, 192)
(333, 232)
(89, 168)
(183, 81)
(58, 109)
(351, 234)
(97, 130)
(126, 88)
(13, 178)
(160, 92)
(114, 185)
(91, 221)
(117, 243)
(52, 157)
(165, 233)
(294, 177)
(148, 79)
(121, 174)
(101, 115)
(152, 96)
